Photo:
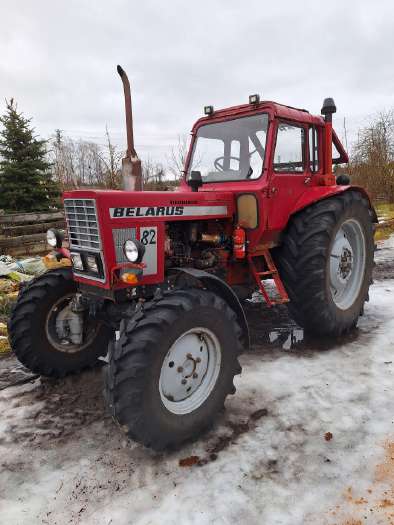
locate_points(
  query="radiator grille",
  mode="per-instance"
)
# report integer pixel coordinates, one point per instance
(83, 230)
(120, 236)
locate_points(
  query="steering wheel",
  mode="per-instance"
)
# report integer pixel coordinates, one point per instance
(218, 163)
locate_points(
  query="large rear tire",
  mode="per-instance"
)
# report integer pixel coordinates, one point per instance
(172, 367)
(326, 262)
(32, 328)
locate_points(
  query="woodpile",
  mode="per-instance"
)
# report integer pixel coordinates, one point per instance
(25, 233)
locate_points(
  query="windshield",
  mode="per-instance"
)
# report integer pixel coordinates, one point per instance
(231, 150)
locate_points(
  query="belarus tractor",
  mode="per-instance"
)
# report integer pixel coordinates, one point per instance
(157, 278)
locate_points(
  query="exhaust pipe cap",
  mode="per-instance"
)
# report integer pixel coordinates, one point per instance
(329, 107)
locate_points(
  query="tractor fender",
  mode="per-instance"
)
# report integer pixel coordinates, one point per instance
(221, 288)
(318, 193)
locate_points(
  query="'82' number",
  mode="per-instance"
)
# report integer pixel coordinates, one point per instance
(148, 237)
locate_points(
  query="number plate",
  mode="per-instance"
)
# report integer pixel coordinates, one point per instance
(148, 237)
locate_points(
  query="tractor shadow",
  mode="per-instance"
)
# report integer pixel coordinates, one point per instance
(273, 331)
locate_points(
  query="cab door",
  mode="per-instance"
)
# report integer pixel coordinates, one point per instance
(290, 176)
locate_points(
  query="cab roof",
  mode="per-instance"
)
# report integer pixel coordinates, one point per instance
(276, 109)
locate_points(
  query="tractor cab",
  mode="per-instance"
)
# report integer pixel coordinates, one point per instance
(274, 159)
(245, 143)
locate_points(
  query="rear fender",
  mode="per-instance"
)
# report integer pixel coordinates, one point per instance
(318, 193)
(216, 285)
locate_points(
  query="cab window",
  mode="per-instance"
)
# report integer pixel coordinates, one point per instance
(313, 139)
(289, 149)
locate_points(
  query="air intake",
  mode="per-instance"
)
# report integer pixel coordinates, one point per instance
(83, 230)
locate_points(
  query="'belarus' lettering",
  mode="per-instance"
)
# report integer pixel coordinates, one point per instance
(152, 211)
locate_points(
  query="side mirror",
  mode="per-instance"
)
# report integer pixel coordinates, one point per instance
(195, 180)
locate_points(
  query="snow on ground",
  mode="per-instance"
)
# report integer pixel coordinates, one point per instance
(307, 439)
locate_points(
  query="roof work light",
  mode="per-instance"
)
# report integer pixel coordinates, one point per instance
(254, 99)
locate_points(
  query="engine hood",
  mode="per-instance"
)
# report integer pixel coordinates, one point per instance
(160, 205)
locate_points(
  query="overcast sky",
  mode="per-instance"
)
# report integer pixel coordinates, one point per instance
(58, 60)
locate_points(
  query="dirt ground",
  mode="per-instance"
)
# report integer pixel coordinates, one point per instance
(308, 438)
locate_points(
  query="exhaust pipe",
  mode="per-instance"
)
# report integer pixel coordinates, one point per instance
(131, 164)
(328, 110)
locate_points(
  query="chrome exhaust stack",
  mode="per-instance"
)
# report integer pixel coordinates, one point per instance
(131, 164)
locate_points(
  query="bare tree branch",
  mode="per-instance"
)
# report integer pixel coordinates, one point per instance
(177, 157)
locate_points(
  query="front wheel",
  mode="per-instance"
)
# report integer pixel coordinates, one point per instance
(173, 366)
(326, 262)
(45, 334)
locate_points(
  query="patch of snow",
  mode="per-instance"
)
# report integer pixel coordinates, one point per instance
(385, 250)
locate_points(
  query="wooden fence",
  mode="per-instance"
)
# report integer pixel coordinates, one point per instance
(25, 233)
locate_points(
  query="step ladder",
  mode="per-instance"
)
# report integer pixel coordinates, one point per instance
(270, 272)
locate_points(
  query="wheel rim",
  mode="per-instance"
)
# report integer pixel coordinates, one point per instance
(190, 370)
(90, 329)
(347, 264)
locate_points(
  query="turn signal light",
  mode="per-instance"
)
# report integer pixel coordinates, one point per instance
(129, 278)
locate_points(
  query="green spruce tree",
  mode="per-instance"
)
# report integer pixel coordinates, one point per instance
(25, 179)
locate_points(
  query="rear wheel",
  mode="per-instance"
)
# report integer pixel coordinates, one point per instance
(326, 263)
(36, 328)
(172, 367)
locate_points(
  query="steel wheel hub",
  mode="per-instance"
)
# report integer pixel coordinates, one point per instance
(60, 343)
(347, 264)
(190, 370)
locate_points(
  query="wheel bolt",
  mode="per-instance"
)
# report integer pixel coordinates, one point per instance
(183, 381)
(195, 375)
(198, 359)
(180, 369)
(189, 356)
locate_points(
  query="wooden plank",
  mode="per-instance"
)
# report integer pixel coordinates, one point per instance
(30, 241)
(10, 231)
(29, 249)
(26, 218)
(10, 242)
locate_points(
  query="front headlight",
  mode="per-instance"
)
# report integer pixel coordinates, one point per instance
(134, 250)
(91, 262)
(77, 261)
(54, 238)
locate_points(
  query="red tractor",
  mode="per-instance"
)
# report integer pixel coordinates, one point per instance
(167, 271)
